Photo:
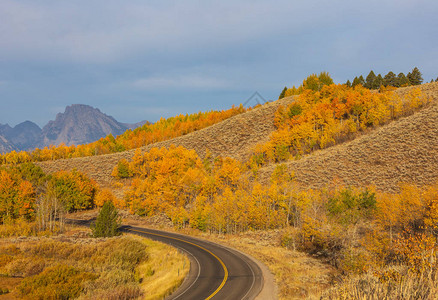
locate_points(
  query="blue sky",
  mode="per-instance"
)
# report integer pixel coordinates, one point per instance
(142, 60)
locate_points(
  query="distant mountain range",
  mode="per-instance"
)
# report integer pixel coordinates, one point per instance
(79, 124)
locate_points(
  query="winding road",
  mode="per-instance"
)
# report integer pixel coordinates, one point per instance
(216, 272)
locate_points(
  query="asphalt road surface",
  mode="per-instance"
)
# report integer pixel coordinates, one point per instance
(216, 272)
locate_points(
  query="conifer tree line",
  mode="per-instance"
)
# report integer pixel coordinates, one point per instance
(374, 82)
(371, 81)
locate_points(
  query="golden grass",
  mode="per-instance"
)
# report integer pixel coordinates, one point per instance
(121, 267)
(164, 271)
(297, 274)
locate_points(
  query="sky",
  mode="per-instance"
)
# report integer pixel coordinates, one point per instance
(142, 60)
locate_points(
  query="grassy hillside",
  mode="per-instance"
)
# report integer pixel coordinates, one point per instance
(402, 151)
(405, 150)
(234, 137)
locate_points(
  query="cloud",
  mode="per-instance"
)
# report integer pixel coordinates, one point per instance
(108, 31)
(180, 82)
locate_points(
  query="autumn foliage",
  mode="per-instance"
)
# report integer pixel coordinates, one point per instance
(335, 113)
(26, 192)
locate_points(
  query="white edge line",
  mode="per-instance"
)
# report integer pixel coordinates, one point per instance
(197, 276)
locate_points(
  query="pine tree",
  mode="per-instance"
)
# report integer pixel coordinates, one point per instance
(369, 81)
(390, 79)
(402, 80)
(415, 77)
(107, 222)
(348, 83)
(378, 82)
(282, 93)
(361, 80)
(355, 82)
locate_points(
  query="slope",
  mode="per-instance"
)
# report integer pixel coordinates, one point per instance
(405, 150)
(234, 137)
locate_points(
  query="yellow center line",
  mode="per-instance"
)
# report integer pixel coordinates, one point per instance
(208, 251)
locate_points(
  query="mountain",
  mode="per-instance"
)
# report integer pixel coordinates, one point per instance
(5, 145)
(135, 125)
(79, 124)
(21, 137)
(24, 136)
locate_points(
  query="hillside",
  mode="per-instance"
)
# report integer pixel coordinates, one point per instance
(234, 137)
(405, 150)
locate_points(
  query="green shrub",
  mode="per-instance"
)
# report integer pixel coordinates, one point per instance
(348, 206)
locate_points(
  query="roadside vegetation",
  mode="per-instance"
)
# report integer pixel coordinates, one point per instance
(41, 257)
(74, 265)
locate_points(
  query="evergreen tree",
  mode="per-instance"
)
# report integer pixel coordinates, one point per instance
(369, 81)
(402, 80)
(355, 82)
(390, 79)
(378, 82)
(415, 77)
(348, 83)
(282, 93)
(361, 80)
(107, 222)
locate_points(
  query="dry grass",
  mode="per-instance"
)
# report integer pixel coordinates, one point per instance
(297, 274)
(405, 285)
(123, 267)
(234, 137)
(405, 150)
(164, 271)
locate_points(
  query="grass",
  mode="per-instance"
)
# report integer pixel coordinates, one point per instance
(396, 149)
(297, 274)
(73, 265)
(163, 272)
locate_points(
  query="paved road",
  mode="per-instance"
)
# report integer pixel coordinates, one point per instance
(216, 272)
